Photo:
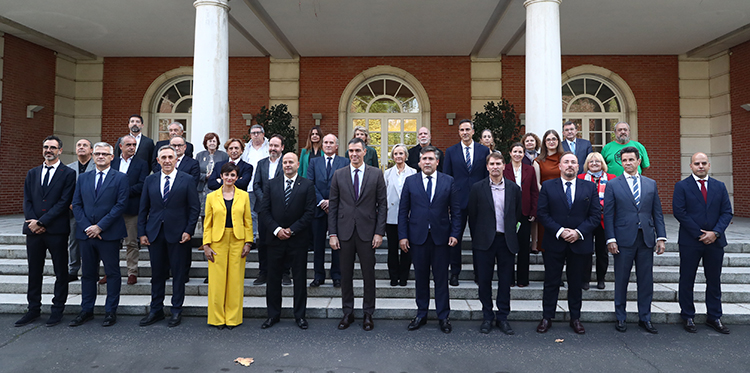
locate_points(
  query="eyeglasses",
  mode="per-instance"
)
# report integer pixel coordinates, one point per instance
(177, 145)
(50, 147)
(98, 154)
(256, 133)
(551, 140)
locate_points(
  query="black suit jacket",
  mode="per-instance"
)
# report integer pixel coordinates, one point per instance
(146, 150)
(481, 211)
(414, 154)
(137, 172)
(159, 144)
(297, 215)
(262, 178)
(187, 165)
(177, 215)
(50, 207)
(553, 213)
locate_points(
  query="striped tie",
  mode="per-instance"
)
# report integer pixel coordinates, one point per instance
(636, 192)
(166, 190)
(468, 159)
(287, 192)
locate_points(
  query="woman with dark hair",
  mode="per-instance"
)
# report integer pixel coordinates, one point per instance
(311, 150)
(206, 161)
(525, 177)
(531, 144)
(487, 139)
(546, 168)
(227, 237)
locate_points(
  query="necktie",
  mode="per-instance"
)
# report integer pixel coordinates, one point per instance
(356, 184)
(568, 194)
(45, 182)
(704, 191)
(328, 168)
(287, 192)
(98, 183)
(468, 159)
(573, 146)
(166, 190)
(429, 188)
(636, 192)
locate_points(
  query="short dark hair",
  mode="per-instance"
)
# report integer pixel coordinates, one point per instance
(277, 136)
(209, 136)
(53, 137)
(568, 123)
(229, 167)
(630, 149)
(466, 121)
(428, 148)
(566, 153)
(495, 155)
(357, 140)
(515, 144)
(136, 116)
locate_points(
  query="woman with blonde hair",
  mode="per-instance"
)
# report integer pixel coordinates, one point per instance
(399, 262)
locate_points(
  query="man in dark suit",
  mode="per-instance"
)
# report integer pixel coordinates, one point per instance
(99, 201)
(175, 130)
(569, 210)
(634, 229)
(287, 211)
(580, 147)
(80, 166)
(234, 149)
(428, 225)
(356, 225)
(464, 161)
(136, 170)
(47, 193)
(268, 166)
(494, 211)
(424, 138)
(166, 221)
(184, 163)
(320, 172)
(701, 205)
(144, 147)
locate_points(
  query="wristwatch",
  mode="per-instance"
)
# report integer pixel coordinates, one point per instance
(717, 234)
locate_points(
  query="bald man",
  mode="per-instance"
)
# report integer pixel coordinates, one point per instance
(424, 138)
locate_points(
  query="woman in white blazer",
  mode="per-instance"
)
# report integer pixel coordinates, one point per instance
(399, 262)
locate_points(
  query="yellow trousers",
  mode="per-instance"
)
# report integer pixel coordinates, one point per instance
(226, 281)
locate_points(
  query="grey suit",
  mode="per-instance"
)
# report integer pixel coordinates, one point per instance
(74, 254)
(355, 221)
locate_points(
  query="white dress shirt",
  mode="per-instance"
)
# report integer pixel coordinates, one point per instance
(103, 176)
(163, 180)
(471, 152)
(272, 166)
(361, 174)
(283, 190)
(51, 171)
(434, 182)
(125, 164)
(572, 200)
(698, 183)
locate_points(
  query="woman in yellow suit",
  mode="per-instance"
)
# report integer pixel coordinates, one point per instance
(227, 239)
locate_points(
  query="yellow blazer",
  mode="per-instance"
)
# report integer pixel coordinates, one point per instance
(216, 217)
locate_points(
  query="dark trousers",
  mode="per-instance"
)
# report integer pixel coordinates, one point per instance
(362, 249)
(433, 256)
(602, 257)
(74, 253)
(643, 256)
(165, 257)
(486, 259)
(278, 255)
(93, 250)
(690, 256)
(455, 251)
(36, 253)
(553, 269)
(399, 262)
(262, 246)
(524, 242)
(320, 227)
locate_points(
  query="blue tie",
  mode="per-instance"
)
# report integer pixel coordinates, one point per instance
(573, 147)
(166, 190)
(636, 192)
(328, 168)
(568, 194)
(98, 183)
(287, 192)
(468, 159)
(429, 188)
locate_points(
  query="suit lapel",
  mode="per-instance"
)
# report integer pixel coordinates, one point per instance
(57, 176)
(177, 181)
(105, 183)
(710, 192)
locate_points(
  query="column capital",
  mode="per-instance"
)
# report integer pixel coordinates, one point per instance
(218, 3)
(526, 3)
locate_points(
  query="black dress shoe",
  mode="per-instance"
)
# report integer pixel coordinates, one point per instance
(175, 319)
(600, 285)
(260, 280)
(302, 323)
(269, 322)
(416, 323)
(110, 318)
(315, 283)
(285, 279)
(205, 281)
(367, 323)
(646, 325)
(505, 327)
(54, 319)
(346, 321)
(718, 326)
(336, 283)
(82, 318)
(544, 325)
(454, 280)
(402, 283)
(27, 318)
(689, 326)
(621, 326)
(586, 286)
(577, 326)
(485, 327)
(152, 318)
(445, 325)
(394, 282)
(72, 277)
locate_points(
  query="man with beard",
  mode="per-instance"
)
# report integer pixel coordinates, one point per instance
(425, 138)
(144, 146)
(611, 151)
(80, 166)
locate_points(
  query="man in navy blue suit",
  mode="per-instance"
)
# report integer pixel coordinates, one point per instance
(166, 221)
(580, 147)
(569, 210)
(234, 149)
(634, 229)
(99, 201)
(465, 163)
(428, 225)
(47, 193)
(144, 148)
(701, 205)
(136, 169)
(320, 171)
(184, 162)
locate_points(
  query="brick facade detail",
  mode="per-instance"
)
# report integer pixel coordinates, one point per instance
(739, 90)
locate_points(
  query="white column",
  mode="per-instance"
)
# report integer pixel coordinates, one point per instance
(210, 70)
(543, 66)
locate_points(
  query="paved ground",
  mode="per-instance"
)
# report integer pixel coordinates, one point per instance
(195, 347)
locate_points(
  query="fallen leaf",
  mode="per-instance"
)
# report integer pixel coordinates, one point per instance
(245, 361)
(559, 340)
(286, 354)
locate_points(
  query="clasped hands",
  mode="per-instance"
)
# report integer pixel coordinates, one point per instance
(35, 227)
(185, 238)
(569, 235)
(404, 243)
(333, 241)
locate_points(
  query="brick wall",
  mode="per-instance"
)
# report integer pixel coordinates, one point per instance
(739, 90)
(447, 81)
(28, 79)
(654, 81)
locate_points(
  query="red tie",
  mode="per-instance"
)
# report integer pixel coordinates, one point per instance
(703, 190)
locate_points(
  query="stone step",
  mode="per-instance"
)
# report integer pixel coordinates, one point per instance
(389, 308)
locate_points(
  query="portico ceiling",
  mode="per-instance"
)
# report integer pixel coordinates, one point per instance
(285, 28)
